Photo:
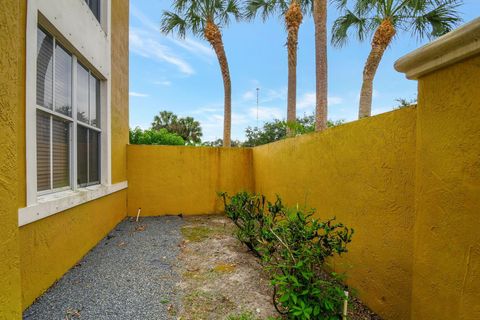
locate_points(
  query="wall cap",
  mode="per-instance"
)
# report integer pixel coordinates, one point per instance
(452, 47)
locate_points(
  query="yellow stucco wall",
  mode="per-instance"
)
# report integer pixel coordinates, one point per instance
(173, 180)
(362, 173)
(49, 247)
(12, 70)
(446, 282)
(120, 25)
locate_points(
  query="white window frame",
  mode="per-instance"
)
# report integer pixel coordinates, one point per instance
(79, 32)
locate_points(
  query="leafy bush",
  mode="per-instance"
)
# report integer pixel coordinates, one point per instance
(294, 247)
(158, 137)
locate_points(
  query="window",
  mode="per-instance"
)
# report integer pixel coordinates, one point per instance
(88, 133)
(95, 7)
(65, 123)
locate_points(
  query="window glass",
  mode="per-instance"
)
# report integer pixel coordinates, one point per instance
(94, 101)
(63, 81)
(82, 94)
(93, 157)
(44, 69)
(61, 153)
(95, 7)
(43, 151)
(82, 156)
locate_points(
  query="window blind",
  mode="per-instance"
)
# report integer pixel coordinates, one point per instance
(63, 81)
(44, 69)
(94, 101)
(82, 156)
(61, 153)
(43, 151)
(93, 157)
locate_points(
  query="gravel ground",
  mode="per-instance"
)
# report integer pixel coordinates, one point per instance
(129, 275)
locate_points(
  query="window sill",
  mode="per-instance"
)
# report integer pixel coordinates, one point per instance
(51, 204)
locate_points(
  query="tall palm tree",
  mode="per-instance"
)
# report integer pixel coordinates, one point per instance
(292, 11)
(321, 71)
(205, 18)
(385, 18)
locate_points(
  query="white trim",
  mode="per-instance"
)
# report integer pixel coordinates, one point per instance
(455, 46)
(54, 203)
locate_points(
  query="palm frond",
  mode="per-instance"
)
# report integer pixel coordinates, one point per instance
(172, 22)
(341, 27)
(436, 22)
(263, 8)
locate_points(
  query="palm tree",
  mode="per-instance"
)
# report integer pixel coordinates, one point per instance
(190, 130)
(384, 18)
(321, 71)
(292, 11)
(205, 18)
(164, 119)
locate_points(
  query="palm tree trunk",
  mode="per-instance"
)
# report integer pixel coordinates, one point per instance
(320, 21)
(293, 19)
(214, 36)
(382, 38)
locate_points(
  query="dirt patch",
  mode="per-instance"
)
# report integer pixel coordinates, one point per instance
(220, 278)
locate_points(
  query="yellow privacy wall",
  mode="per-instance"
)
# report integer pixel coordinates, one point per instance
(362, 173)
(178, 179)
(446, 278)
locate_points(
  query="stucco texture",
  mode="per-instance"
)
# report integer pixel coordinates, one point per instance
(173, 180)
(446, 282)
(362, 173)
(12, 68)
(119, 115)
(51, 246)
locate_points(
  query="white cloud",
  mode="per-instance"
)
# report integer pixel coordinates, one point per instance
(137, 94)
(193, 46)
(163, 83)
(249, 95)
(333, 100)
(308, 101)
(266, 113)
(143, 45)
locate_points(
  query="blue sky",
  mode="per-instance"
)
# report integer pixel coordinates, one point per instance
(183, 76)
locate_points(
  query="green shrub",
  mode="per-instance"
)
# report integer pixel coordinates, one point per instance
(157, 137)
(294, 247)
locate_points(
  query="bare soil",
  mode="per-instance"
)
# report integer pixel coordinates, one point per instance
(221, 279)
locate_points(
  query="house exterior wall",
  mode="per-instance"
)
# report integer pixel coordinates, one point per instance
(50, 246)
(363, 174)
(12, 70)
(172, 180)
(119, 69)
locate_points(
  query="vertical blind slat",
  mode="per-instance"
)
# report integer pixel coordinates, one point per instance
(43, 151)
(44, 69)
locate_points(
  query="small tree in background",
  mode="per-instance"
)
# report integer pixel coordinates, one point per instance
(277, 130)
(188, 128)
(155, 137)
